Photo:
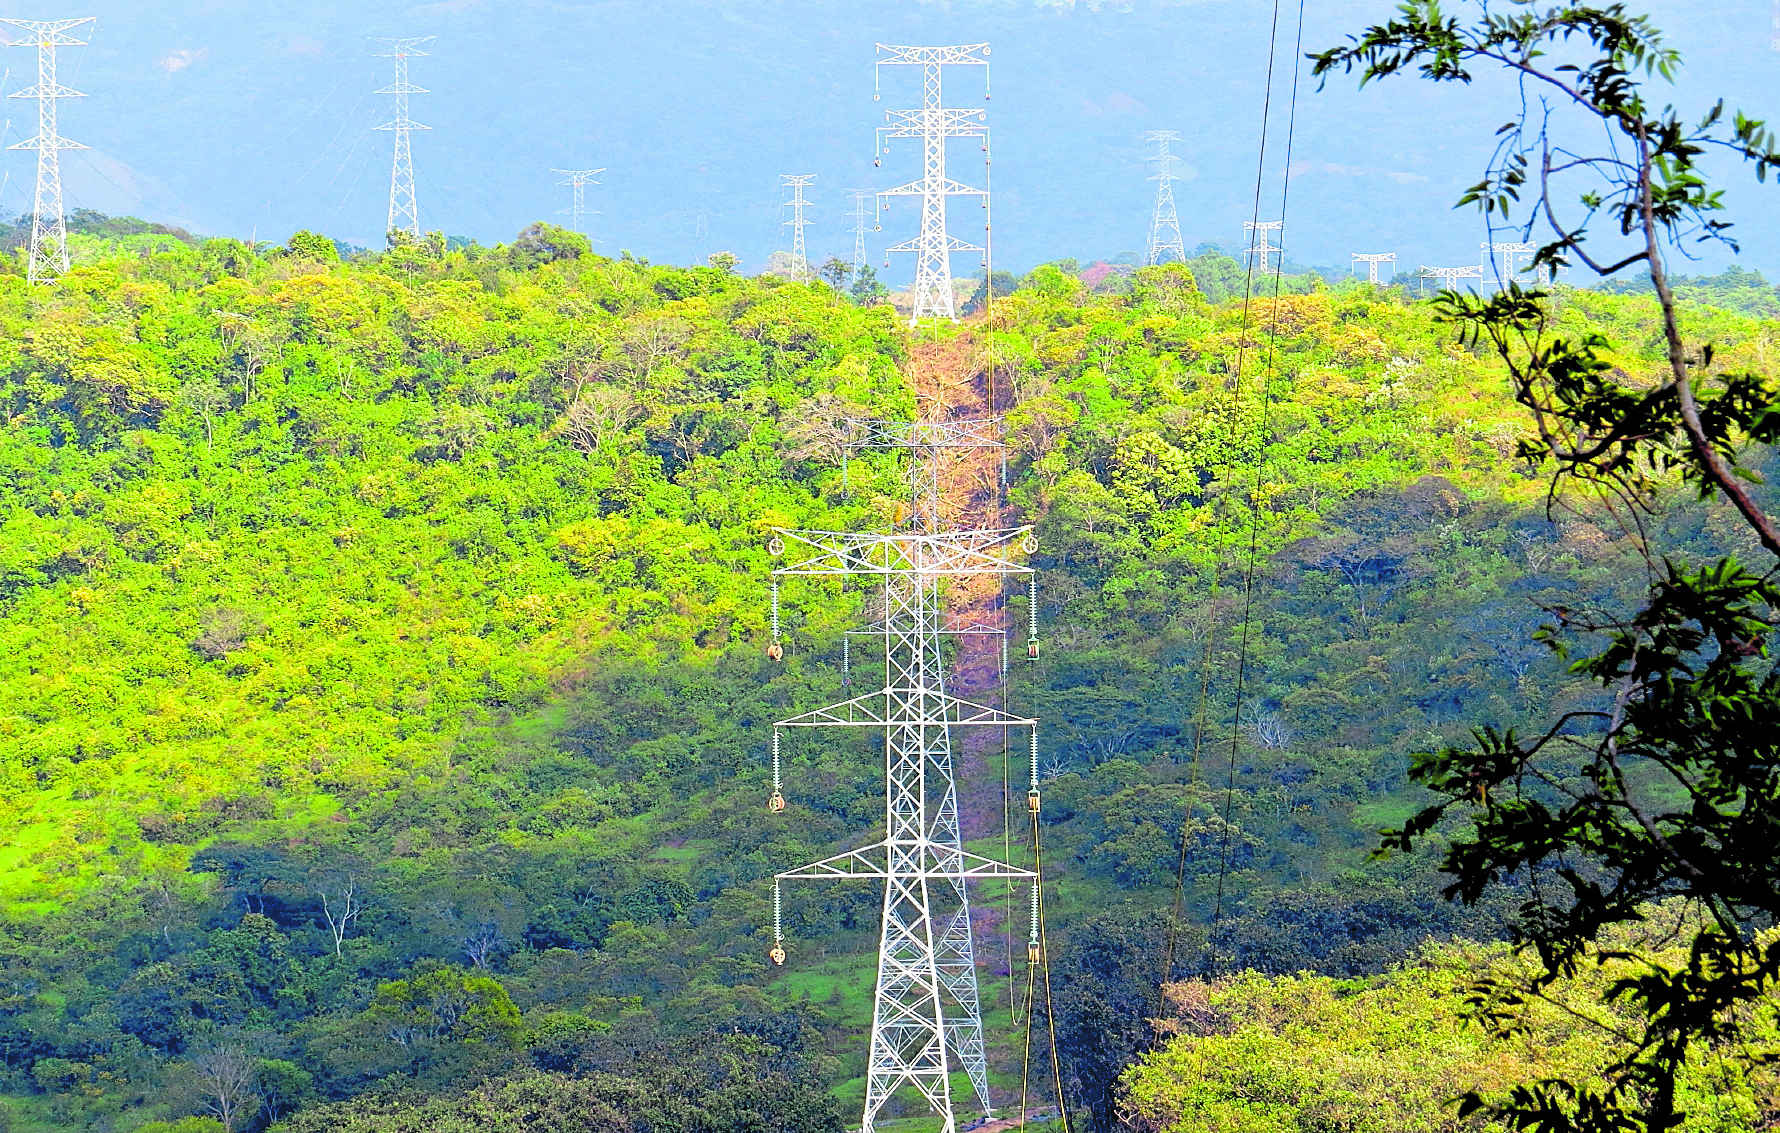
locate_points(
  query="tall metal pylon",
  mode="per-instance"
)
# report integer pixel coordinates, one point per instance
(1511, 252)
(1164, 223)
(927, 1018)
(1261, 247)
(404, 213)
(1372, 260)
(796, 182)
(49, 228)
(859, 196)
(580, 179)
(933, 124)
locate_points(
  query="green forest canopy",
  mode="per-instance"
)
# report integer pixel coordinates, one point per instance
(432, 585)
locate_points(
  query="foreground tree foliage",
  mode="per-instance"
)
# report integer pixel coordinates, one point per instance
(1669, 785)
(1292, 1054)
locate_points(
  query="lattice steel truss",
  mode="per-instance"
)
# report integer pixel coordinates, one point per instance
(1164, 222)
(404, 212)
(1511, 253)
(1260, 247)
(933, 248)
(579, 179)
(1372, 260)
(49, 229)
(799, 256)
(927, 1018)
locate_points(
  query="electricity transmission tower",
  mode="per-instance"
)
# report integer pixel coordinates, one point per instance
(1261, 247)
(1372, 260)
(1450, 276)
(404, 214)
(1511, 254)
(859, 196)
(933, 124)
(49, 228)
(580, 179)
(800, 263)
(1164, 223)
(927, 1015)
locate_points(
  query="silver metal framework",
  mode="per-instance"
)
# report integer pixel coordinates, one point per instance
(1372, 260)
(48, 250)
(1261, 247)
(580, 179)
(932, 295)
(796, 182)
(927, 1014)
(1450, 276)
(859, 196)
(1164, 222)
(1511, 253)
(404, 212)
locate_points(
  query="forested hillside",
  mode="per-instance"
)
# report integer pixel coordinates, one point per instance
(383, 696)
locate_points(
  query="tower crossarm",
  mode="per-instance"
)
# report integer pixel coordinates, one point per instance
(877, 629)
(921, 123)
(943, 860)
(953, 244)
(950, 553)
(982, 432)
(948, 186)
(959, 53)
(894, 705)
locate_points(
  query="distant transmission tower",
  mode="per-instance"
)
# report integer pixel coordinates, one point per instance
(1164, 223)
(1448, 277)
(859, 196)
(1511, 254)
(927, 1021)
(1261, 247)
(404, 214)
(580, 179)
(796, 181)
(49, 229)
(1372, 260)
(933, 125)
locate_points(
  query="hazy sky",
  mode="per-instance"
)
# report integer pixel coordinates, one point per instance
(257, 118)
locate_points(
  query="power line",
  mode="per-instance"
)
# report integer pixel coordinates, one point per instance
(404, 213)
(933, 124)
(49, 229)
(1164, 222)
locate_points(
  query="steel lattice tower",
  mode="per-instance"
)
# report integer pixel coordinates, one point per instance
(1511, 254)
(49, 229)
(404, 214)
(1372, 260)
(927, 1015)
(1261, 247)
(796, 182)
(1165, 222)
(580, 179)
(859, 196)
(933, 124)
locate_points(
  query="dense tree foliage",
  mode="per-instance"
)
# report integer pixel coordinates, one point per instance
(382, 695)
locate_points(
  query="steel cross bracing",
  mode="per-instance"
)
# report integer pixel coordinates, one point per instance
(796, 182)
(404, 213)
(1261, 247)
(1511, 252)
(1165, 222)
(859, 196)
(922, 437)
(580, 179)
(48, 250)
(1372, 260)
(927, 1012)
(932, 295)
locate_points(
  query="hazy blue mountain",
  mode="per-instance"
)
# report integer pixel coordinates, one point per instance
(257, 118)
